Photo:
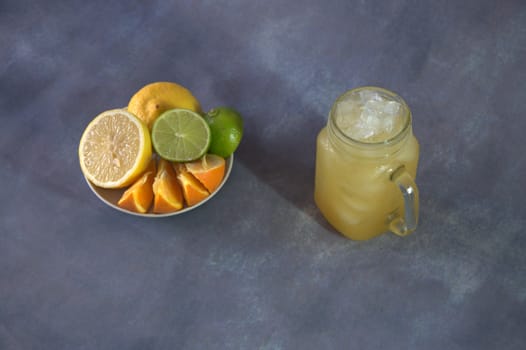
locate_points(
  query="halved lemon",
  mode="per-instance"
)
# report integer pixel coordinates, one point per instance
(115, 149)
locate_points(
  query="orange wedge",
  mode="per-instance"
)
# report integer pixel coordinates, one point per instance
(209, 170)
(167, 193)
(138, 197)
(193, 191)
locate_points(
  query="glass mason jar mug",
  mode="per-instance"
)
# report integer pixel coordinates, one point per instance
(366, 162)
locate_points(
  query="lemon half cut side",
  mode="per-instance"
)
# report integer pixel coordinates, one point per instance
(115, 149)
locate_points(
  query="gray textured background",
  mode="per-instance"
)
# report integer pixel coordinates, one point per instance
(257, 267)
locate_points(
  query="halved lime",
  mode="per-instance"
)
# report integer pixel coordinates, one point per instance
(180, 135)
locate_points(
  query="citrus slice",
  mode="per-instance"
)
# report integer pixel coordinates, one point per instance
(168, 196)
(193, 191)
(226, 126)
(180, 135)
(139, 196)
(114, 149)
(209, 170)
(153, 99)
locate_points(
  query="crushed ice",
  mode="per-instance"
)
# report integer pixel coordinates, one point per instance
(368, 116)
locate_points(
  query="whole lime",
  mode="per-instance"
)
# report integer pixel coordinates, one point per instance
(226, 126)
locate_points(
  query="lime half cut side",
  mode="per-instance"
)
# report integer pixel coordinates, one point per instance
(181, 135)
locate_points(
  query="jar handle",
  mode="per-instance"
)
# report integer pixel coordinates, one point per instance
(406, 184)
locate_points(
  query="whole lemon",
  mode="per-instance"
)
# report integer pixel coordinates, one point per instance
(155, 98)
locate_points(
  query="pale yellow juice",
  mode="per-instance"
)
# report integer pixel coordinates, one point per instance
(353, 186)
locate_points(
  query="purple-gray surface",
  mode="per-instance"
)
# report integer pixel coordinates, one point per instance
(257, 267)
